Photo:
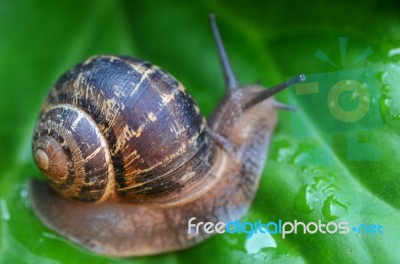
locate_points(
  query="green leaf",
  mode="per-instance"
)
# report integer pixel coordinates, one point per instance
(310, 174)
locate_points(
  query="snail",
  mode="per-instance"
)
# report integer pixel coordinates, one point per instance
(129, 158)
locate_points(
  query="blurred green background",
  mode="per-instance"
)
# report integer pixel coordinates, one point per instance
(267, 42)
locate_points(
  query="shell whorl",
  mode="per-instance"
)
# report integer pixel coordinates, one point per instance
(149, 140)
(70, 150)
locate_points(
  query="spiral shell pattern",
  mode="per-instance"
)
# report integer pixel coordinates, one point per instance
(118, 127)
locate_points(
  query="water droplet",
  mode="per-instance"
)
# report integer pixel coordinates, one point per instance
(397, 116)
(387, 102)
(50, 235)
(283, 150)
(384, 105)
(285, 154)
(231, 240)
(386, 88)
(317, 170)
(393, 52)
(23, 194)
(319, 194)
(302, 203)
(5, 213)
(303, 158)
(312, 196)
(333, 209)
(258, 241)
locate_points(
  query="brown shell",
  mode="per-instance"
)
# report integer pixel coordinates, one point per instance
(126, 129)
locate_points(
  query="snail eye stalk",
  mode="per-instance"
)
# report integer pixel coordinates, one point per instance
(230, 77)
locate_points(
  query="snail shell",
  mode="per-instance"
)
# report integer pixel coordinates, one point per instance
(129, 159)
(121, 128)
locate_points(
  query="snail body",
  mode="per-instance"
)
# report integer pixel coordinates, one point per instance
(129, 159)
